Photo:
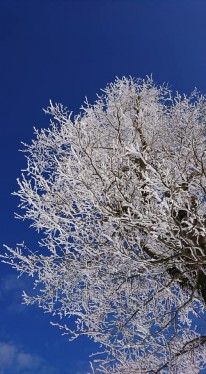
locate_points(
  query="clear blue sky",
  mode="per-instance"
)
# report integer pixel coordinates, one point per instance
(65, 50)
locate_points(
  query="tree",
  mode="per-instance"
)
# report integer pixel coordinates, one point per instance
(118, 194)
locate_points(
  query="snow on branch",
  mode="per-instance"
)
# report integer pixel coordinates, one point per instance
(118, 195)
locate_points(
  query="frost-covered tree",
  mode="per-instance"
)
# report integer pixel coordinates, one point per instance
(118, 194)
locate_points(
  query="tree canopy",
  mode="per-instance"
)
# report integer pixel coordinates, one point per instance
(118, 194)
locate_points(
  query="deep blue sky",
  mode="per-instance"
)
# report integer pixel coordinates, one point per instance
(65, 50)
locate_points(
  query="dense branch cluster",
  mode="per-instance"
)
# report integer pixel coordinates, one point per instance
(118, 194)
